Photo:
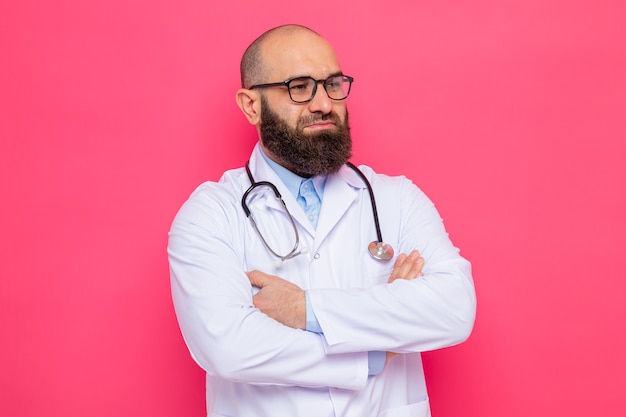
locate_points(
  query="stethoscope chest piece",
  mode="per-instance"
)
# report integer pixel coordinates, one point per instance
(380, 250)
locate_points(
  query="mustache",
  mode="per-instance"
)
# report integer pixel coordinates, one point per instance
(314, 118)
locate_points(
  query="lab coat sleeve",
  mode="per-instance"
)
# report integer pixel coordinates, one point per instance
(226, 335)
(430, 312)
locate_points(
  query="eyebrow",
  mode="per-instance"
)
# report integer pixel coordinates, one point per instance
(334, 74)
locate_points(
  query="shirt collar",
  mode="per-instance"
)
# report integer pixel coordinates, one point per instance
(291, 180)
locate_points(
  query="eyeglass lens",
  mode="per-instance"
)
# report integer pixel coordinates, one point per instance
(303, 89)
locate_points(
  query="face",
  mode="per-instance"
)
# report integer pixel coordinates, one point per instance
(310, 138)
(318, 152)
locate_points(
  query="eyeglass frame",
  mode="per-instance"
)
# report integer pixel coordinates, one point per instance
(286, 84)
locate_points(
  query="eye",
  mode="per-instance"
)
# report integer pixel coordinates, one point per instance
(335, 83)
(300, 84)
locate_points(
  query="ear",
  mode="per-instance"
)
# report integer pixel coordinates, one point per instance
(249, 102)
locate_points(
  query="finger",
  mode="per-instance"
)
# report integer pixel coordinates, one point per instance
(405, 269)
(410, 267)
(413, 265)
(257, 278)
(416, 269)
(395, 273)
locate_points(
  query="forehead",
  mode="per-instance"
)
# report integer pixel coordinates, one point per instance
(296, 54)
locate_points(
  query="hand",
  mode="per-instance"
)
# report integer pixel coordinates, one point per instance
(407, 266)
(279, 299)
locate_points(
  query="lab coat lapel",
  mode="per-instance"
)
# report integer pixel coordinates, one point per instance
(294, 208)
(339, 195)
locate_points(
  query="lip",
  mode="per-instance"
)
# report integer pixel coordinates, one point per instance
(321, 125)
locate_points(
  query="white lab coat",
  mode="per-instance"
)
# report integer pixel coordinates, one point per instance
(257, 367)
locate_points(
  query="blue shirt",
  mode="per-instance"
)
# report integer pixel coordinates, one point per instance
(308, 192)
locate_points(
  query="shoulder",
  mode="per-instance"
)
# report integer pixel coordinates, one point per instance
(214, 199)
(395, 190)
(377, 179)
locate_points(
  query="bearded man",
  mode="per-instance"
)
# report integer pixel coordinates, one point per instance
(281, 295)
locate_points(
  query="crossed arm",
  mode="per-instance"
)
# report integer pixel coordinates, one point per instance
(285, 302)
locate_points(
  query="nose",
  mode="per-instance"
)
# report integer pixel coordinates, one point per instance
(321, 102)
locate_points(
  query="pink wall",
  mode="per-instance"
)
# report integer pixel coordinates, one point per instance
(510, 115)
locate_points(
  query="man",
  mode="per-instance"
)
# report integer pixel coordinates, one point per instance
(286, 310)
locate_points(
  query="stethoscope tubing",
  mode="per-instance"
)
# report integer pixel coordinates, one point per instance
(379, 235)
(378, 249)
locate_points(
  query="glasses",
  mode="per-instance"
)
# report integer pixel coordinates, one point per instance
(303, 89)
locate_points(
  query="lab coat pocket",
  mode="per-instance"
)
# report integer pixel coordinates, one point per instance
(419, 409)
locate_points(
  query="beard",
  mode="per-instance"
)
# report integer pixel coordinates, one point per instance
(307, 155)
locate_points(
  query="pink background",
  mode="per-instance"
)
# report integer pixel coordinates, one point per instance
(509, 114)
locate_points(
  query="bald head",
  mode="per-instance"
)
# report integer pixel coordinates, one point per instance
(308, 137)
(256, 60)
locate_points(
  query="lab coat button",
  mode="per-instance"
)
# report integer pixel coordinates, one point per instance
(317, 255)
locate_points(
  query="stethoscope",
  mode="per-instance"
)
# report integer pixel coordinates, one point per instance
(377, 249)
